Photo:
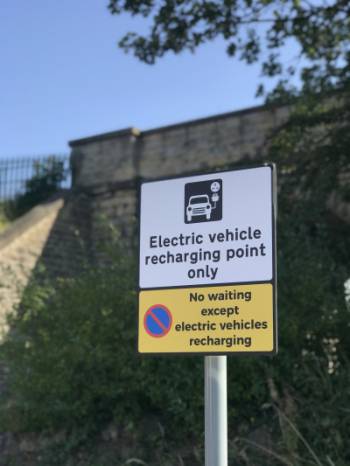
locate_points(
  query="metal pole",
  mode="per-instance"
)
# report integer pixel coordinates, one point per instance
(215, 375)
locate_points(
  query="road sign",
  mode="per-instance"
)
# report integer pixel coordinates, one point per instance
(207, 253)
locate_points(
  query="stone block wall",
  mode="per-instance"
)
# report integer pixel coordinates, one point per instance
(51, 240)
(21, 249)
(107, 167)
(118, 207)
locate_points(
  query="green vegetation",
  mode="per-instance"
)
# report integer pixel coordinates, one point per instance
(45, 182)
(74, 367)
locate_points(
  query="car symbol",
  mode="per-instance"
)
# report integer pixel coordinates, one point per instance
(198, 206)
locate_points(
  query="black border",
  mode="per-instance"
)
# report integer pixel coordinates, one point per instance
(273, 281)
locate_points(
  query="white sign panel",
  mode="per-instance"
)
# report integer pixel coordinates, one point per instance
(208, 229)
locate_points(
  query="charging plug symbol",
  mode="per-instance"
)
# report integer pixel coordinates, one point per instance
(215, 188)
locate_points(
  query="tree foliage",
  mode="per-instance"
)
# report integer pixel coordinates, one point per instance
(253, 30)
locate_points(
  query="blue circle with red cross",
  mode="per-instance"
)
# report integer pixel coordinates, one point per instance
(157, 320)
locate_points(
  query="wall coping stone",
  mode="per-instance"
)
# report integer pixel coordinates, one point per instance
(102, 137)
(213, 118)
(132, 131)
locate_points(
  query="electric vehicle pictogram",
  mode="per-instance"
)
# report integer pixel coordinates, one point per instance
(203, 201)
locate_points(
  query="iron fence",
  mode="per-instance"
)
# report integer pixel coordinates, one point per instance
(15, 173)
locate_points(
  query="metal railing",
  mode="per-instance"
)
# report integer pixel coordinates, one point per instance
(15, 173)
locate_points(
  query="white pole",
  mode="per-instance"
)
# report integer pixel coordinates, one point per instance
(215, 375)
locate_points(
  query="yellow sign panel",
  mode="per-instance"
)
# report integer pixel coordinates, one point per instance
(215, 319)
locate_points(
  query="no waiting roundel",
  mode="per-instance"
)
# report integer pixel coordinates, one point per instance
(157, 321)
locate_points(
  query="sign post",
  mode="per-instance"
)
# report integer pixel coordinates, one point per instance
(207, 277)
(215, 397)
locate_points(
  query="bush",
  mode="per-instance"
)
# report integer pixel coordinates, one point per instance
(46, 181)
(74, 366)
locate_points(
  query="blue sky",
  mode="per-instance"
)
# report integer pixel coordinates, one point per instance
(63, 77)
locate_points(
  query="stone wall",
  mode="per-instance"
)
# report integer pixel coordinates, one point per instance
(107, 167)
(21, 248)
(51, 240)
